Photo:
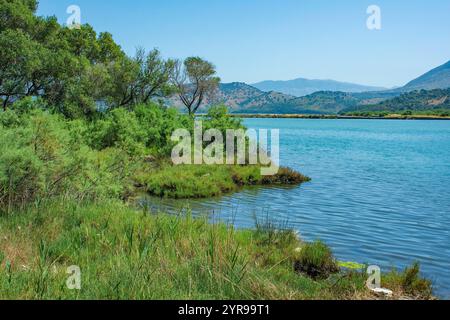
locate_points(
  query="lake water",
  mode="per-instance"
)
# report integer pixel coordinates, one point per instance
(380, 192)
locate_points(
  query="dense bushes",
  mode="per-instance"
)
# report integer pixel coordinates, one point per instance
(43, 154)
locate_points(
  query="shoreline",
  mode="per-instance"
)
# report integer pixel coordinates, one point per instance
(334, 117)
(267, 262)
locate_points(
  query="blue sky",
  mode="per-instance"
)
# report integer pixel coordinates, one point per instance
(254, 40)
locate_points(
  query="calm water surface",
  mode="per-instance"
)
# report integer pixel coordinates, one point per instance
(380, 192)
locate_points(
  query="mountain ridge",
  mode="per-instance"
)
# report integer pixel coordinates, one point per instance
(244, 98)
(302, 87)
(437, 78)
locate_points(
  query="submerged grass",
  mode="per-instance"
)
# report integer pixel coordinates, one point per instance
(128, 254)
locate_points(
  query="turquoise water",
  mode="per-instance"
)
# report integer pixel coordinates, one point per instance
(380, 192)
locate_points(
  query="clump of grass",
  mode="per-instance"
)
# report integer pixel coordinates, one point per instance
(188, 181)
(409, 282)
(203, 181)
(414, 284)
(277, 237)
(269, 232)
(285, 176)
(316, 260)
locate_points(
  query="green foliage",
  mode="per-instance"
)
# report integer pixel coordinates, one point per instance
(195, 81)
(42, 155)
(145, 131)
(423, 102)
(129, 254)
(120, 129)
(219, 118)
(159, 123)
(77, 72)
(188, 181)
(285, 176)
(17, 14)
(413, 284)
(409, 282)
(316, 260)
(203, 181)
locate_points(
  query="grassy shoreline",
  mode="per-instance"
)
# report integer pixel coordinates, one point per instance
(204, 181)
(338, 117)
(157, 256)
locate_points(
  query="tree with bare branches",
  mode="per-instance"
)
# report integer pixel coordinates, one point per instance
(195, 82)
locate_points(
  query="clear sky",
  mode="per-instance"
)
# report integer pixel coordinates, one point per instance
(254, 40)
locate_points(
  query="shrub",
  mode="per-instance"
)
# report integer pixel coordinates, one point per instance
(413, 284)
(159, 123)
(409, 282)
(285, 176)
(316, 260)
(45, 156)
(218, 118)
(121, 129)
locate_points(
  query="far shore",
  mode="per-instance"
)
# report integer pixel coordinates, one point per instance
(338, 117)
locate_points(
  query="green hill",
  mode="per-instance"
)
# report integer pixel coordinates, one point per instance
(243, 98)
(430, 102)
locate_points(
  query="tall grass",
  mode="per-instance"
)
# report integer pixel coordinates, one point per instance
(125, 253)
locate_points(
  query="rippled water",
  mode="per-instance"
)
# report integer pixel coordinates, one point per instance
(380, 192)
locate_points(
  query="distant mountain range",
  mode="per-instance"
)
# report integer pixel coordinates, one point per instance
(303, 87)
(244, 98)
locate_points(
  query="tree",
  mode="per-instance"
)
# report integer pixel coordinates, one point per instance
(80, 74)
(109, 50)
(124, 75)
(195, 81)
(139, 80)
(154, 76)
(17, 14)
(20, 58)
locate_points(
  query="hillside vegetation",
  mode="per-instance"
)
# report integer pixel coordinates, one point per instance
(297, 97)
(423, 102)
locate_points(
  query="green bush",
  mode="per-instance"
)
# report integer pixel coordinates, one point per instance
(413, 284)
(316, 260)
(45, 156)
(409, 283)
(285, 176)
(159, 123)
(120, 129)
